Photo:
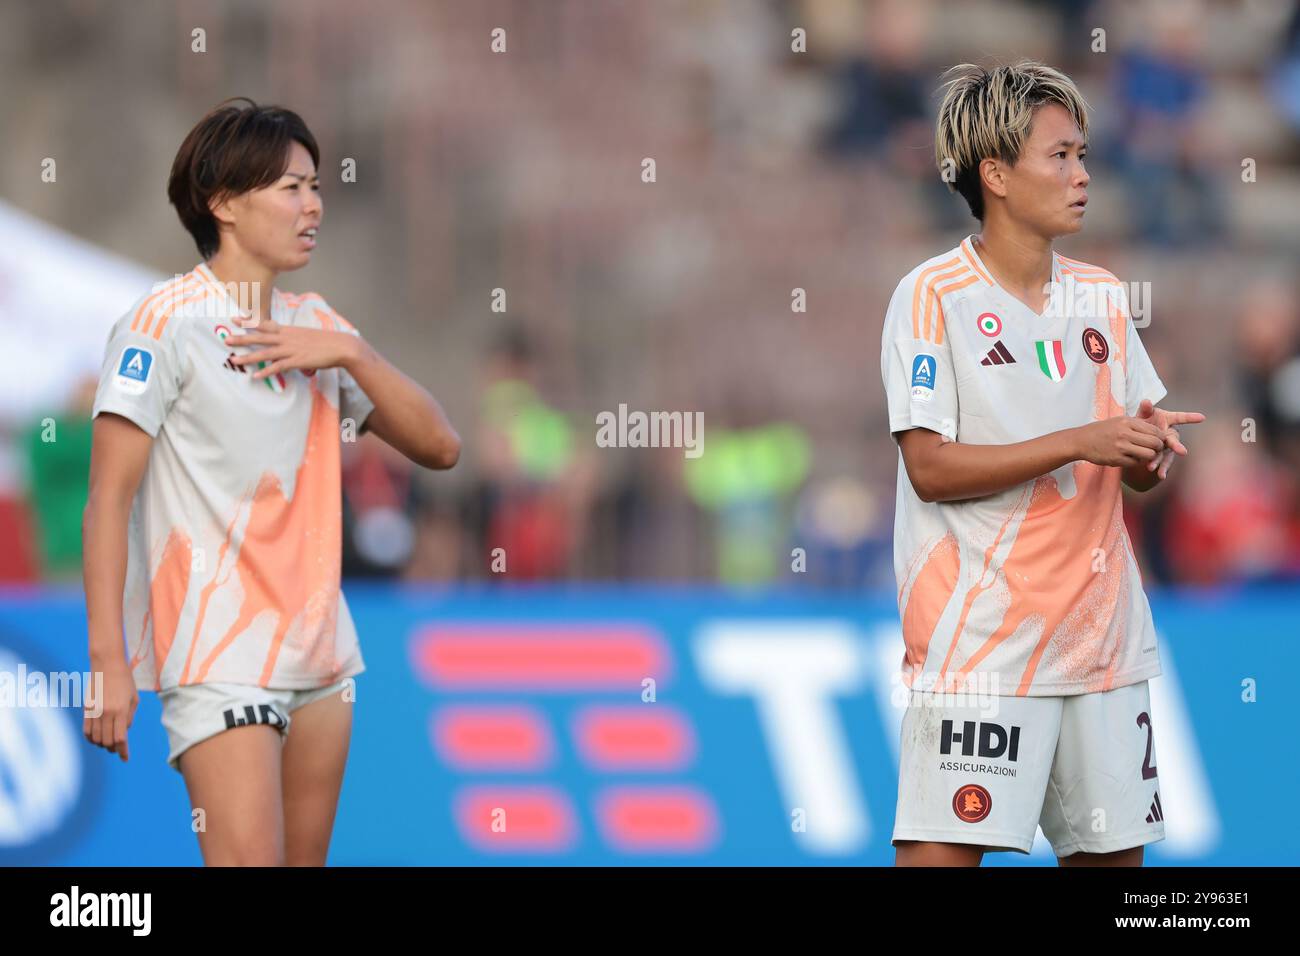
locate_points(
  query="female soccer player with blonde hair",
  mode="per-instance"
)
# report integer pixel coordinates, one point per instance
(213, 525)
(1021, 396)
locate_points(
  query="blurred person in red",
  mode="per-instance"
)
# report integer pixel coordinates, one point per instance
(1233, 515)
(1236, 517)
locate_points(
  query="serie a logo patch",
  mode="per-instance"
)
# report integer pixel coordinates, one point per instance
(133, 367)
(923, 370)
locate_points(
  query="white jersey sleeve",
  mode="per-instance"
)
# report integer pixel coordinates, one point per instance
(916, 363)
(142, 372)
(354, 403)
(1140, 378)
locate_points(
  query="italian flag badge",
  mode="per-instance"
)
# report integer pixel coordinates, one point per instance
(1050, 358)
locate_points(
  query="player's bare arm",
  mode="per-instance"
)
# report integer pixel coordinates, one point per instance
(118, 456)
(943, 470)
(405, 414)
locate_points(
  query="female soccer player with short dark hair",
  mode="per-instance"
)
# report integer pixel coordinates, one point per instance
(212, 532)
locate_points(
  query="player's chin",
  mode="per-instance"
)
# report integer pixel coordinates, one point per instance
(294, 260)
(1067, 228)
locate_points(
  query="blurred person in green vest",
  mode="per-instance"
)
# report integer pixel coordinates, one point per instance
(56, 453)
(533, 501)
(747, 479)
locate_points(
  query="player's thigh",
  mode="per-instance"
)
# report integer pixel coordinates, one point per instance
(233, 777)
(1103, 799)
(1129, 857)
(972, 772)
(315, 756)
(922, 853)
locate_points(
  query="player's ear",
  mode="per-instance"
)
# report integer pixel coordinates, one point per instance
(993, 175)
(220, 207)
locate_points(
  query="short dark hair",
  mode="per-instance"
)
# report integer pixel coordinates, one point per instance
(238, 147)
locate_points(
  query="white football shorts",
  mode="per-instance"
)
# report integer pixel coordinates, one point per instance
(194, 712)
(990, 770)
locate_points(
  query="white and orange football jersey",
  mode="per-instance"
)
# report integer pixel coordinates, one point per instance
(1035, 589)
(233, 565)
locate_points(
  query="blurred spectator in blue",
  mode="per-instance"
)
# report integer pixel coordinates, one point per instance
(1161, 87)
(1285, 79)
(846, 528)
(882, 91)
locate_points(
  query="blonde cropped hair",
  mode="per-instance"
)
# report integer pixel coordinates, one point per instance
(987, 113)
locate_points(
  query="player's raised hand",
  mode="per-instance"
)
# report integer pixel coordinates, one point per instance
(1120, 441)
(286, 347)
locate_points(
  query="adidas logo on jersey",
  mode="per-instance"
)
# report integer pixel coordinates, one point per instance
(1157, 812)
(232, 366)
(998, 355)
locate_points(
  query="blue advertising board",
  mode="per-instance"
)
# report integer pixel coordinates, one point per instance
(644, 726)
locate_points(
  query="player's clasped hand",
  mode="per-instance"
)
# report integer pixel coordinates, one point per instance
(1166, 421)
(1151, 437)
(290, 346)
(108, 728)
(1123, 440)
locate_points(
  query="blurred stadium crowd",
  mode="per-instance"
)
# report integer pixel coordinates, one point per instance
(775, 171)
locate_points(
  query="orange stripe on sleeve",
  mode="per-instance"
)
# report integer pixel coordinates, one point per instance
(162, 310)
(166, 316)
(180, 284)
(938, 298)
(932, 301)
(917, 289)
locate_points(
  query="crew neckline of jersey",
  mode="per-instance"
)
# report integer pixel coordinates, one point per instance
(969, 243)
(204, 272)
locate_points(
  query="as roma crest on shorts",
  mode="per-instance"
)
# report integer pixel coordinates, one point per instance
(1051, 358)
(971, 803)
(1095, 347)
